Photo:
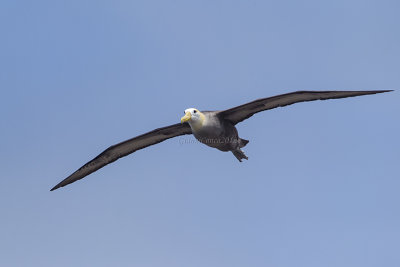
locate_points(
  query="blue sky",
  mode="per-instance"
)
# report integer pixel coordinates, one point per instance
(320, 188)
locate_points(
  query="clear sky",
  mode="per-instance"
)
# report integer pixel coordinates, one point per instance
(320, 188)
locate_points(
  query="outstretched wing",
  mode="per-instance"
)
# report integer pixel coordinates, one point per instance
(242, 112)
(125, 148)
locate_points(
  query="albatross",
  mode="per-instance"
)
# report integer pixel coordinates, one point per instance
(212, 128)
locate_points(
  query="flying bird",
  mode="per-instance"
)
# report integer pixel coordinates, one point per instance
(212, 128)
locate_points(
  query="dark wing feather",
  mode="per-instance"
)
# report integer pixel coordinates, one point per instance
(242, 112)
(125, 148)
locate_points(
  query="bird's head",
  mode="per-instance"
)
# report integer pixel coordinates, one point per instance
(193, 116)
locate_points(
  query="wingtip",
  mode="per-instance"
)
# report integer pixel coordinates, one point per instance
(378, 91)
(55, 187)
(385, 91)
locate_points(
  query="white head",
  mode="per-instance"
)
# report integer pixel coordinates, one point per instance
(194, 117)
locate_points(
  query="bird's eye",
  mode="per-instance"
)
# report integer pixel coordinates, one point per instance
(194, 111)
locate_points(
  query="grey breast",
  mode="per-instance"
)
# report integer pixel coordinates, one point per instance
(217, 132)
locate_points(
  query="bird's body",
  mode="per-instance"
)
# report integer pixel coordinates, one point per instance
(218, 133)
(213, 128)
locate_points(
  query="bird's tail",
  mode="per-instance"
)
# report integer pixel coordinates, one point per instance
(243, 142)
(239, 154)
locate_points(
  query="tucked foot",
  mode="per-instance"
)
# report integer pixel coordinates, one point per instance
(239, 154)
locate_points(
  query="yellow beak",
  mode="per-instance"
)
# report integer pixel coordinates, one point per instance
(187, 117)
